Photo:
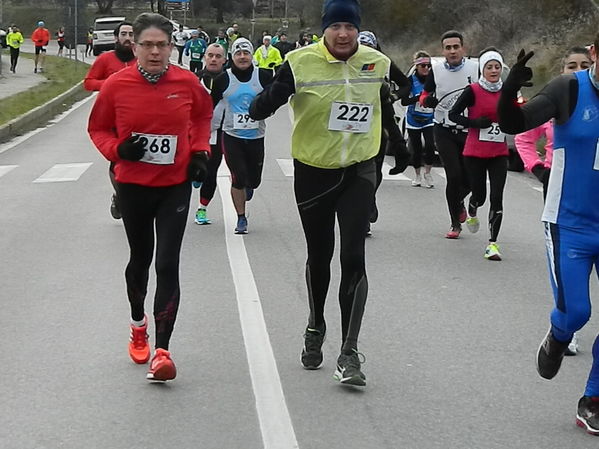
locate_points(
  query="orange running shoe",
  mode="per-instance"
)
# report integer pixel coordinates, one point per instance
(162, 368)
(139, 349)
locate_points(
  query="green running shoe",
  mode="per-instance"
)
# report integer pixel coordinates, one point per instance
(201, 217)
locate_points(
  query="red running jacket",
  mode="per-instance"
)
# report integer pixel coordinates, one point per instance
(176, 105)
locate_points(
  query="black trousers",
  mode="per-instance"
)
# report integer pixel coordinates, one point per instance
(14, 57)
(477, 169)
(418, 150)
(209, 185)
(323, 195)
(450, 145)
(154, 215)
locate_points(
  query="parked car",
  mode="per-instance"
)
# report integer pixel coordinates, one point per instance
(103, 35)
(3, 38)
(515, 162)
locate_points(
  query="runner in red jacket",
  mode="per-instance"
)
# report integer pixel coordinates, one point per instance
(153, 121)
(105, 65)
(112, 61)
(40, 38)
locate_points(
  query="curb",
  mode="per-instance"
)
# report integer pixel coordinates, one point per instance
(43, 113)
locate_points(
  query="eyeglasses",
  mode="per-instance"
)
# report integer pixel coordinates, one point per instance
(424, 66)
(150, 45)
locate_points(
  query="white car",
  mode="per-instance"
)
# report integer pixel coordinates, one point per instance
(103, 35)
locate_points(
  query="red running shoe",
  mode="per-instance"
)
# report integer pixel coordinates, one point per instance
(463, 213)
(453, 233)
(139, 349)
(162, 368)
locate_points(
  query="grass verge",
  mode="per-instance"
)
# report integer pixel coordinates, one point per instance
(61, 74)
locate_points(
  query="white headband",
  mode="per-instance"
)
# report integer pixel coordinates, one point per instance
(489, 56)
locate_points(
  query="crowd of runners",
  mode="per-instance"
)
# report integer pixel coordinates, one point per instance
(341, 88)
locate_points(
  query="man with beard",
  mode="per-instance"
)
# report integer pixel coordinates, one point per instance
(105, 65)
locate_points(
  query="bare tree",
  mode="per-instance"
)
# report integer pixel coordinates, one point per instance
(104, 6)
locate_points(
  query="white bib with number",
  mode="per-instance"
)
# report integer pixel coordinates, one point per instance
(491, 134)
(159, 149)
(350, 117)
(243, 121)
(196, 56)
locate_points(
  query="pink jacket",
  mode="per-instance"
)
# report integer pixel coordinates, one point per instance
(526, 144)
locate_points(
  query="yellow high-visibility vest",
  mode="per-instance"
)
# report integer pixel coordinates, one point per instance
(329, 92)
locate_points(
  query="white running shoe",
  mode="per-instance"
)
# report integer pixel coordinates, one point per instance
(417, 181)
(573, 346)
(428, 181)
(473, 224)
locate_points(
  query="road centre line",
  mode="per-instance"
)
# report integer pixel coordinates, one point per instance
(275, 422)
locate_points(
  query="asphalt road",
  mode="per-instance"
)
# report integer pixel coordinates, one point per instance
(449, 337)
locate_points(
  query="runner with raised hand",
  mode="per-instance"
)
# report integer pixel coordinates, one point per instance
(571, 215)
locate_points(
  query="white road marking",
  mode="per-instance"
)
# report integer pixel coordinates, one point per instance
(17, 140)
(275, 423)
(439, 171)
(64, 172)
(286, 166)
(4, 169)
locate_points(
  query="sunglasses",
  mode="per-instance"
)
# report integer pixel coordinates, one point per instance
(424, 66)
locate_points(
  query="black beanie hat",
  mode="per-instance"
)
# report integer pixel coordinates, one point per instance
(341, 11)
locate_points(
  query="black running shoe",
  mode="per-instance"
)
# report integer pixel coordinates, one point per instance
(348, 369)
(115, 211)
(587, 415)
(550, 355)
(312, 350)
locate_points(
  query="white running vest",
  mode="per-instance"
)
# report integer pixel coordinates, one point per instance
(450, 86)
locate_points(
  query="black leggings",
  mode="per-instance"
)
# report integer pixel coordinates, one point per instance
(477, 171)
(322, 194)
(165, 210)
(209, 185)
(450, 146)
(415, 139)
(14, 57)
(195, 67)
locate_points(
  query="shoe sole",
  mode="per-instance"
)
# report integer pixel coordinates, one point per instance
(537, 359)
(202, 223)
(162, 375)
(355, 381)
(240, 232)
(496, 258)
(580, 422)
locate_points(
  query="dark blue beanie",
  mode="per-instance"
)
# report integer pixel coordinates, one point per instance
(341, 11)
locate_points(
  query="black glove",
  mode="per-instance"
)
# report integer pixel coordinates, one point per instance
(542, 173)
(520, 75)
(480, 122)
(402, 156)
(197, 169)
(430, 102)
(131, 149)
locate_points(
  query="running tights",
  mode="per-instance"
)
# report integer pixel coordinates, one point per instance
(154, 214)
(450, 144)
(477, 169)
(322, 195)
(418, 150)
